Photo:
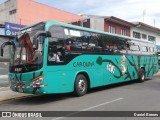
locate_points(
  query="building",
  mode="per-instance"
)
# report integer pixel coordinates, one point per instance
(146, 32)
(27, 12)
(106, 23)
(122, 27)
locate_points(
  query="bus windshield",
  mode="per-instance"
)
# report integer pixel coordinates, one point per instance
(24, 58)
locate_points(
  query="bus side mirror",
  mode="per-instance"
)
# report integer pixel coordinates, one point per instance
(39, 33)
(1, 52)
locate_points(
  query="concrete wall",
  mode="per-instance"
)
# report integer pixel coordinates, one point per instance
(4, 11)
(97, 23)
(30, 12)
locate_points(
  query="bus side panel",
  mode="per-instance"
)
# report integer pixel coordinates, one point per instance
(59, 81)
(151, 67)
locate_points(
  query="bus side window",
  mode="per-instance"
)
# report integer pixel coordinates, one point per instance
(135, 48)
(96, 42)
(74, 41)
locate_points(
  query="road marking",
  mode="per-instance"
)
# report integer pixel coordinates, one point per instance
(58, 118)
(3, 76)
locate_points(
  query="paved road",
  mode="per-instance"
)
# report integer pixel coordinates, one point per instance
(4, 82)
(3, 71)
(131, 96)
(4, 68)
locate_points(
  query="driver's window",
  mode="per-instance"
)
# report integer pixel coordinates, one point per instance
(56, 53)
(56, 46)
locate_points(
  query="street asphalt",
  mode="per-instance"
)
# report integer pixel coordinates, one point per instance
(129, 96)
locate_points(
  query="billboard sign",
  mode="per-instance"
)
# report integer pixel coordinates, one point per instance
(11, 28)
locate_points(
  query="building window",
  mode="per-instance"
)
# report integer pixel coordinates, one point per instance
(144, 36)
(152, 39)
(136, 35)
(123, 32)
(12, 12)
(112, 29)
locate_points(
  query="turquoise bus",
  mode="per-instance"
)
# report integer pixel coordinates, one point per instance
(82, 58)
(158, 52)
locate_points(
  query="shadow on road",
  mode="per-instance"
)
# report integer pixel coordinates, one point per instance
(42, 99)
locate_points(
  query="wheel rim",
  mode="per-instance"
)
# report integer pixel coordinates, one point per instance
(81, 85)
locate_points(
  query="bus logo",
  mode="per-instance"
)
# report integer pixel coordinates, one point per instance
(18, 69)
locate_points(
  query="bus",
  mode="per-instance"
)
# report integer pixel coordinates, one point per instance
(158, 51)
(83, 58)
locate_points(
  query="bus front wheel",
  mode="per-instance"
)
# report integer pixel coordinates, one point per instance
(142, 75)
(81, 85)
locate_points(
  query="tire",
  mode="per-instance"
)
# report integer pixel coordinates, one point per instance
(142, 75)
(80, 86)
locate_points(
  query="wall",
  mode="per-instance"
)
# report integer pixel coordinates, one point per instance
(30, 12)
(4, 11)
(97, 23)
(2, 14)
(117, 26)
(1, 31)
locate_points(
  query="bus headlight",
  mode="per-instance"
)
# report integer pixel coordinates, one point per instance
(37, 81)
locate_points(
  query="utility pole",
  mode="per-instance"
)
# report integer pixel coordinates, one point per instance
(144, 13)
(154, 22)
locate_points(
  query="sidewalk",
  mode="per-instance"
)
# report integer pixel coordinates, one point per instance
(3, 76)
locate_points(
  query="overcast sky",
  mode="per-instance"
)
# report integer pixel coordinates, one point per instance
(130, 10)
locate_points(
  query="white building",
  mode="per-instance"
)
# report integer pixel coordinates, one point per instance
(146, 32)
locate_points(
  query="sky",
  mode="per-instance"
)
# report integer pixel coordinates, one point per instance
(147, 11)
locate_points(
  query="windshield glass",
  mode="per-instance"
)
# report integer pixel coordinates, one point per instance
(23, 56)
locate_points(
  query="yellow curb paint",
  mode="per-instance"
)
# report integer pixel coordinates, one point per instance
(157, 74)
(17, 97)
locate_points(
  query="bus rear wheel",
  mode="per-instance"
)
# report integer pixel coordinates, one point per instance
(81, 85)
(142, 75)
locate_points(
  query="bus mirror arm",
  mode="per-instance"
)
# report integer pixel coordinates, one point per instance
(39, 33)
(1, 52)
(5, 44)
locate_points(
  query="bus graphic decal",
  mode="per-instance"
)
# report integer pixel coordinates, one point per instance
(123, 64)
(135, 62)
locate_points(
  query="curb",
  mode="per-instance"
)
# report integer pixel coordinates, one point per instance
(3, 76)
(17, 97)
(157, 74)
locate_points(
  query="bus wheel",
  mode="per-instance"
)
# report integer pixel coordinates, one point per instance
(81, 85)
(142, 75)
